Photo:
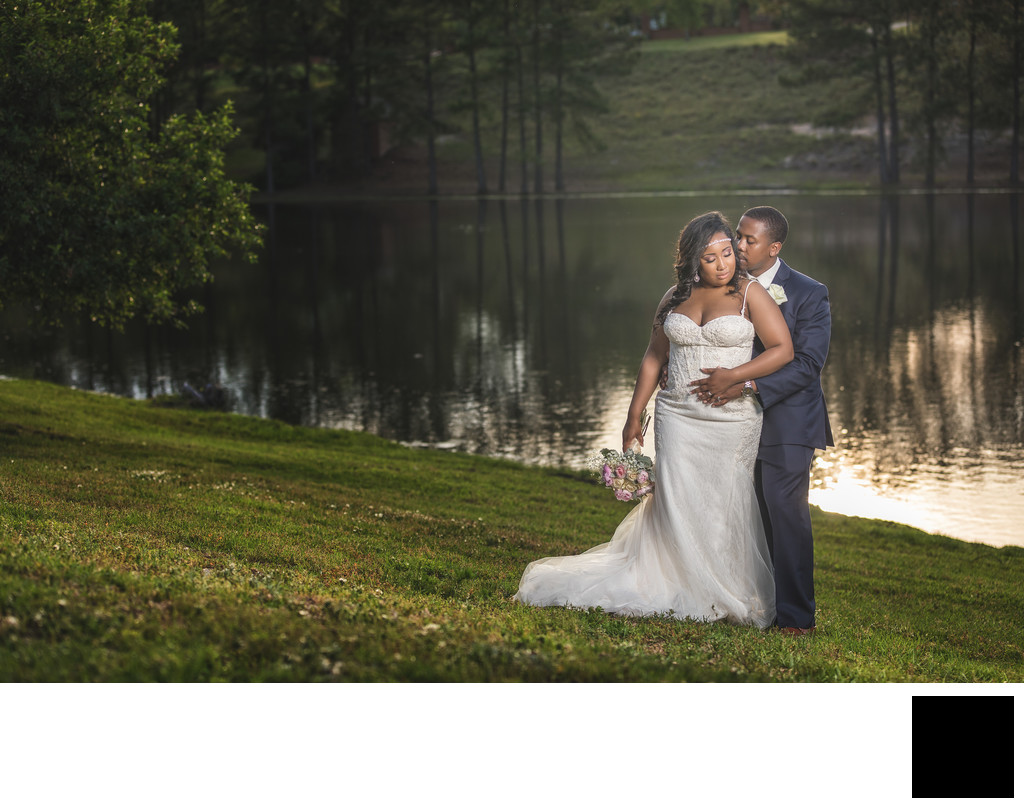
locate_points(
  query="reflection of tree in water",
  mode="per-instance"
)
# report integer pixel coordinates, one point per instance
(470, 369)
(514, 328)
(938, 391)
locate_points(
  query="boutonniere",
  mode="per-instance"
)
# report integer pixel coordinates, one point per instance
(778, 293)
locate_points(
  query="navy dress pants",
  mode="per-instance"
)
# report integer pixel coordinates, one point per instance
(782, 478)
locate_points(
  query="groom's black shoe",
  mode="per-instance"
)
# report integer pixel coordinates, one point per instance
(797, 632)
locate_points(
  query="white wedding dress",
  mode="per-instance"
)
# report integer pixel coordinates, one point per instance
(695, 549)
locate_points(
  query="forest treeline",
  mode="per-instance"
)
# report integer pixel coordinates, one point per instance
(927, 67)
(115, 123)
(331, 83)
(327, 86)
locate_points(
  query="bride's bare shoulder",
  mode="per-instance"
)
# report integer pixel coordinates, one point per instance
(665, 299)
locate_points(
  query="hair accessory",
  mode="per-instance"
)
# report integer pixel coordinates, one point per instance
(718, 241)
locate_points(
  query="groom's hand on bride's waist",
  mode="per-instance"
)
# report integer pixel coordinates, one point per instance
(716, 389)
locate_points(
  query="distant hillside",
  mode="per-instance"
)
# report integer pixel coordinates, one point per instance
(708, 113)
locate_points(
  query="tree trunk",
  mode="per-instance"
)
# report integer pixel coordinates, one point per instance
(524, 181)
(929, 100)
(198, 67)
(504, 102)
(307, 91)
(268, 96)
(268, 131)
(268, 145)
(431, 146)
(481, 178)
(894, 120)
(538, 177)
(1015, 139)
(883, 165)
(559, 70)
(970, 98)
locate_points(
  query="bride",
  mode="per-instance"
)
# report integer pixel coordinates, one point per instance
(696, 548)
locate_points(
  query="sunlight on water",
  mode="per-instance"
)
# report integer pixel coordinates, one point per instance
(961, 498)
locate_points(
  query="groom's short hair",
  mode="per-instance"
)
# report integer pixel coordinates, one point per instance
(773, 220)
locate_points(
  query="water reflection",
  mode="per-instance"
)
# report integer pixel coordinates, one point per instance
(514, 329)
(932, 425)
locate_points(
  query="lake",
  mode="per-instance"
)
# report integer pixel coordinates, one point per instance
(515, 328)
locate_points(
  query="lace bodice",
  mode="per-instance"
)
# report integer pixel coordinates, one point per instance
(725, 342)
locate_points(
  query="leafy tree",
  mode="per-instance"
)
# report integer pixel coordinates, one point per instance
(262, 57)
(361, 41)
(587, 45)
(686, 15)
(201, 34)
(101, 214)
(407, 71)
(928, 40)
(473, 38)
(428, 23)
(853, 38)
(1011, 16)
(310, 18)
(271, 48)
(989, 59)
(539, 25)
(506, 72)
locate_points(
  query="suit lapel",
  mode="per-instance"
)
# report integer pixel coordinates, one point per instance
(781, 278)
(783, 274)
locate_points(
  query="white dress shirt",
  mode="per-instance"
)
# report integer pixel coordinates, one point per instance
(766, 278)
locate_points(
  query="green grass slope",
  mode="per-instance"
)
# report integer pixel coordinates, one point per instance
(148, 543)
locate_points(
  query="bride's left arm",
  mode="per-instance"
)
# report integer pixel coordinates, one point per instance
(773, 332)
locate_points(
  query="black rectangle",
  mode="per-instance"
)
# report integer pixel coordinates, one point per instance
(963, 746)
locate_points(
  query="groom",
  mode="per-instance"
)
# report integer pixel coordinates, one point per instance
(795, 419)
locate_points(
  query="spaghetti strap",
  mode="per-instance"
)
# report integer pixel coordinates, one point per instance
(743, 308)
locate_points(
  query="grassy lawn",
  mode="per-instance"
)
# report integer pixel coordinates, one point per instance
(141, 542)
(700, 43)
(713, 113)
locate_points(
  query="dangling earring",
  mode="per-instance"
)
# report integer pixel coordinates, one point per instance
(696, 277)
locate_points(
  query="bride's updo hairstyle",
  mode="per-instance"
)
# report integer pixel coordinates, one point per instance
(693, 243)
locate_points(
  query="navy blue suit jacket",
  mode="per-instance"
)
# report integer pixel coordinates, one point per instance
(794, 403)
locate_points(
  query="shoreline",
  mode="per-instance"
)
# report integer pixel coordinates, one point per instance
(180, 403)
(330, 194)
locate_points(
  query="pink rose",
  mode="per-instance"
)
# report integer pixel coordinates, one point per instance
(620, 471)
(606, 474)
(643, 492)
(642, 477)
(623, 495)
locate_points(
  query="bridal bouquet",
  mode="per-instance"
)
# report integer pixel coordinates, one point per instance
(629, 474)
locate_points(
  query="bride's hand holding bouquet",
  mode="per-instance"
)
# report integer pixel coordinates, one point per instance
(634, 430)
(629, 473)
